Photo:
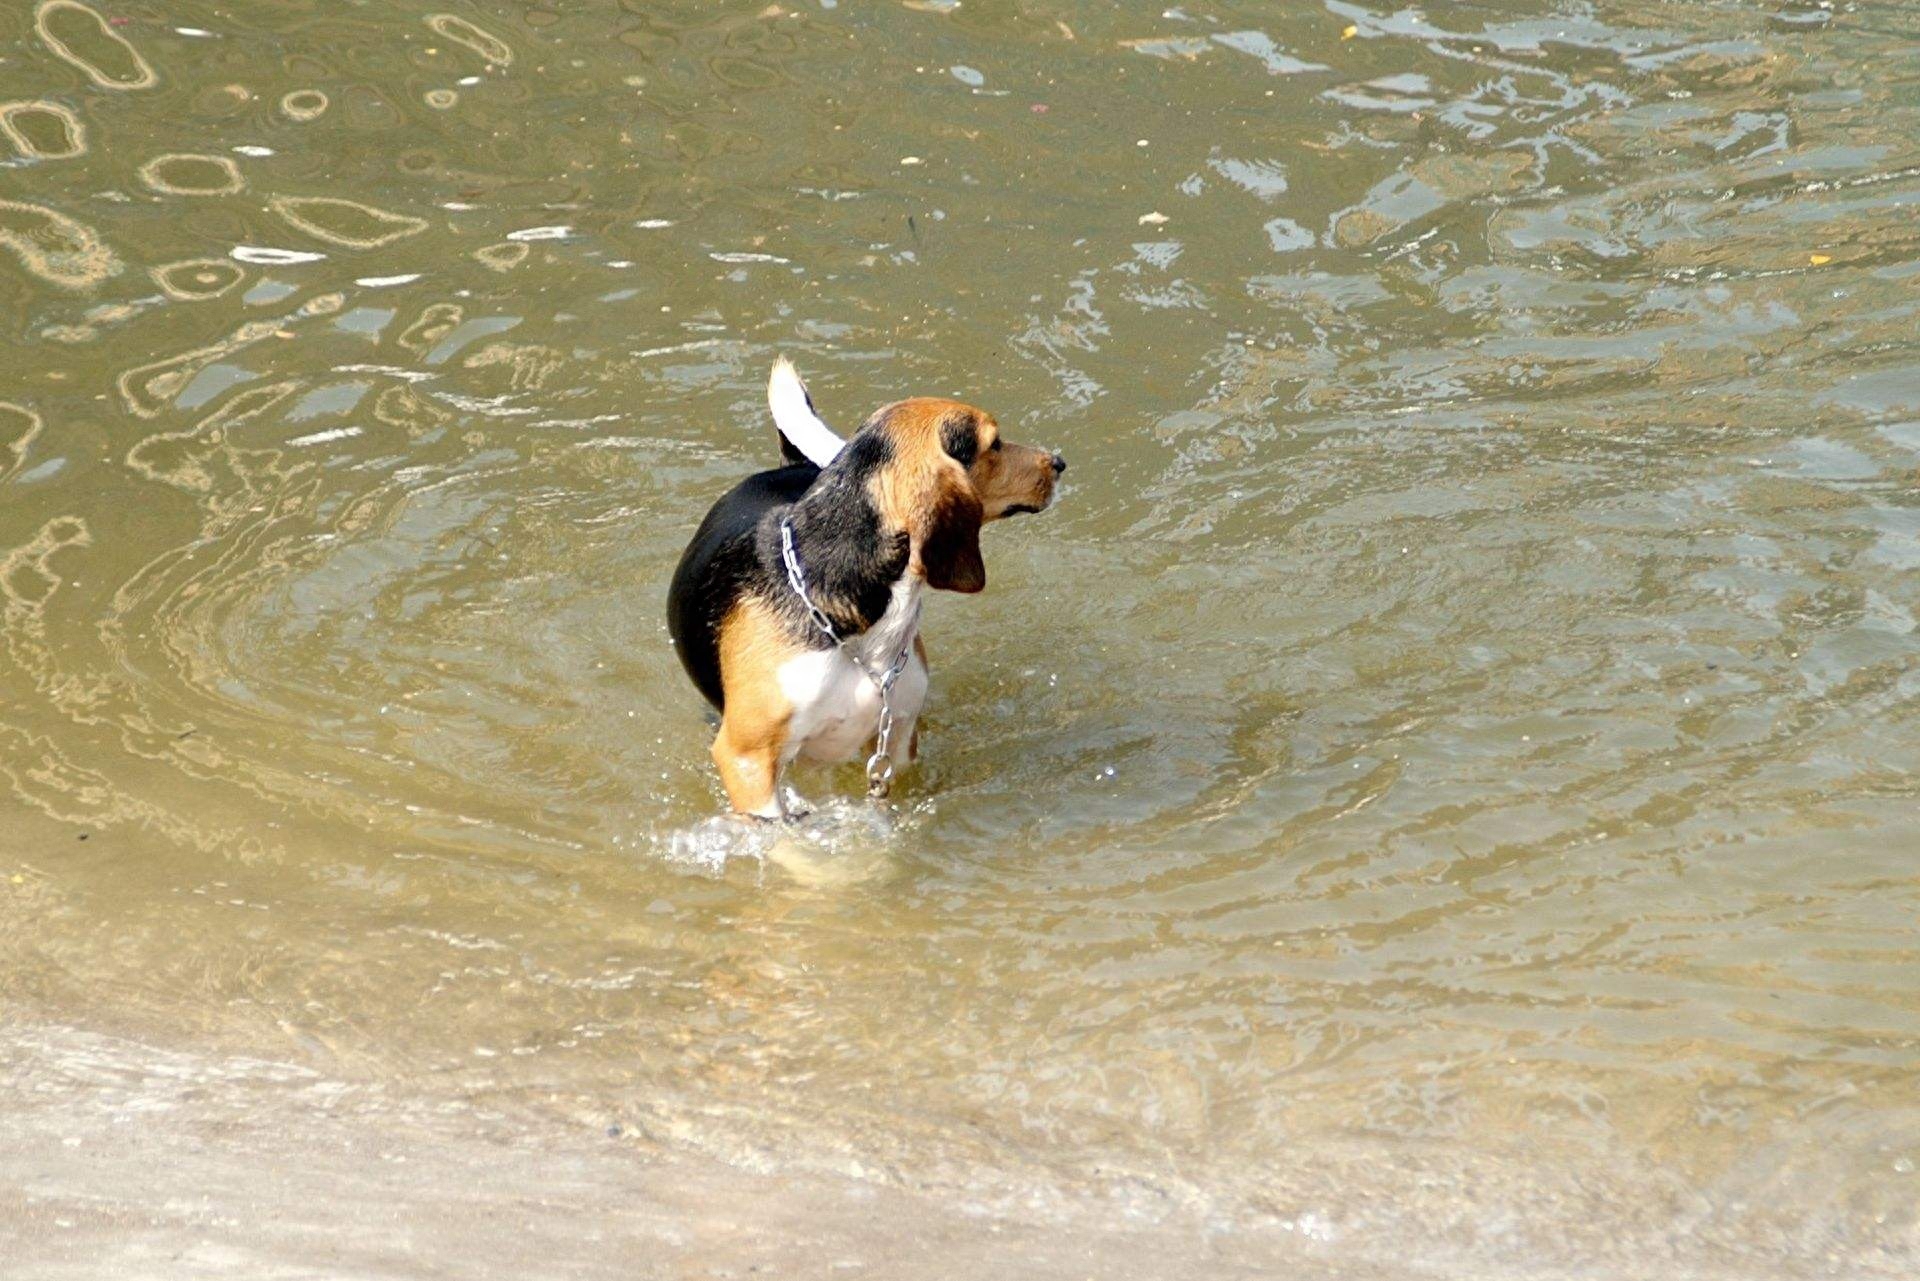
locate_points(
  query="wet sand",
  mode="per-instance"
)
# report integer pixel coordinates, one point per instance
(124, 1160)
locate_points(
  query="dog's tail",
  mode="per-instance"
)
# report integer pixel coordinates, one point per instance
(803, 437)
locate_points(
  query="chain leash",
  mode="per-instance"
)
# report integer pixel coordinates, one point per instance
(880, 764)
(798, 581)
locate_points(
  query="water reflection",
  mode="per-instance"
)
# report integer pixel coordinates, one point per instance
(1457, 732)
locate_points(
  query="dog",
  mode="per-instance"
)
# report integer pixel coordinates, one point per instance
(796, 606)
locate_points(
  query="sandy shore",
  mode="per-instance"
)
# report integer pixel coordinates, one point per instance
(125, 1160)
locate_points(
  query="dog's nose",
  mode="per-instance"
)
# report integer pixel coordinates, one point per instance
(1059, 464)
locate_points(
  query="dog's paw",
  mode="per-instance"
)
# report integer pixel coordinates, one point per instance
(796, 806)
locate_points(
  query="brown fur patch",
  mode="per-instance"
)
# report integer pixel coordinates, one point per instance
(925, 489)
(1011, 476)
(950, 548)
(753, 729)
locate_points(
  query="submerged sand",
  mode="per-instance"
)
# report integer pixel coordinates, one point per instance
(125, 1160)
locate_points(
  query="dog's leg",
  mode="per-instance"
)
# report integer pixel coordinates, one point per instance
(905, 747)
(913, 738)
(749, 750)
(749, 764)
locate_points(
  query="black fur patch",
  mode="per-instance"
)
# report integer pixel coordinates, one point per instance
(960, 436)
(721, 564)
(850, 563)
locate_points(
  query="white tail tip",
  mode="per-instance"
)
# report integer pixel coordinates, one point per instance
(793, 414)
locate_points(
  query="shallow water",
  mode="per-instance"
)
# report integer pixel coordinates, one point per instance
(1440, 782)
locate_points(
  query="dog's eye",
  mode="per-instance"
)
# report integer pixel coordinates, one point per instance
(994, 448)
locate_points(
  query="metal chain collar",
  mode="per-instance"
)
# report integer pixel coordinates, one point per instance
(880, 764)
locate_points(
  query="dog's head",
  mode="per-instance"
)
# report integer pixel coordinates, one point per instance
(947, 473)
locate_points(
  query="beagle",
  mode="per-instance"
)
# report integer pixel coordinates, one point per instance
(796, 607)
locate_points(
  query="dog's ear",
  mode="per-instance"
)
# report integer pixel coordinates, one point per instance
(950, 548)
(960, 436)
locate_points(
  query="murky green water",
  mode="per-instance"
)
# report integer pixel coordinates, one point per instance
(1441, 781)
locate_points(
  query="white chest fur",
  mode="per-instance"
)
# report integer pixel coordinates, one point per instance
(836, 705)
